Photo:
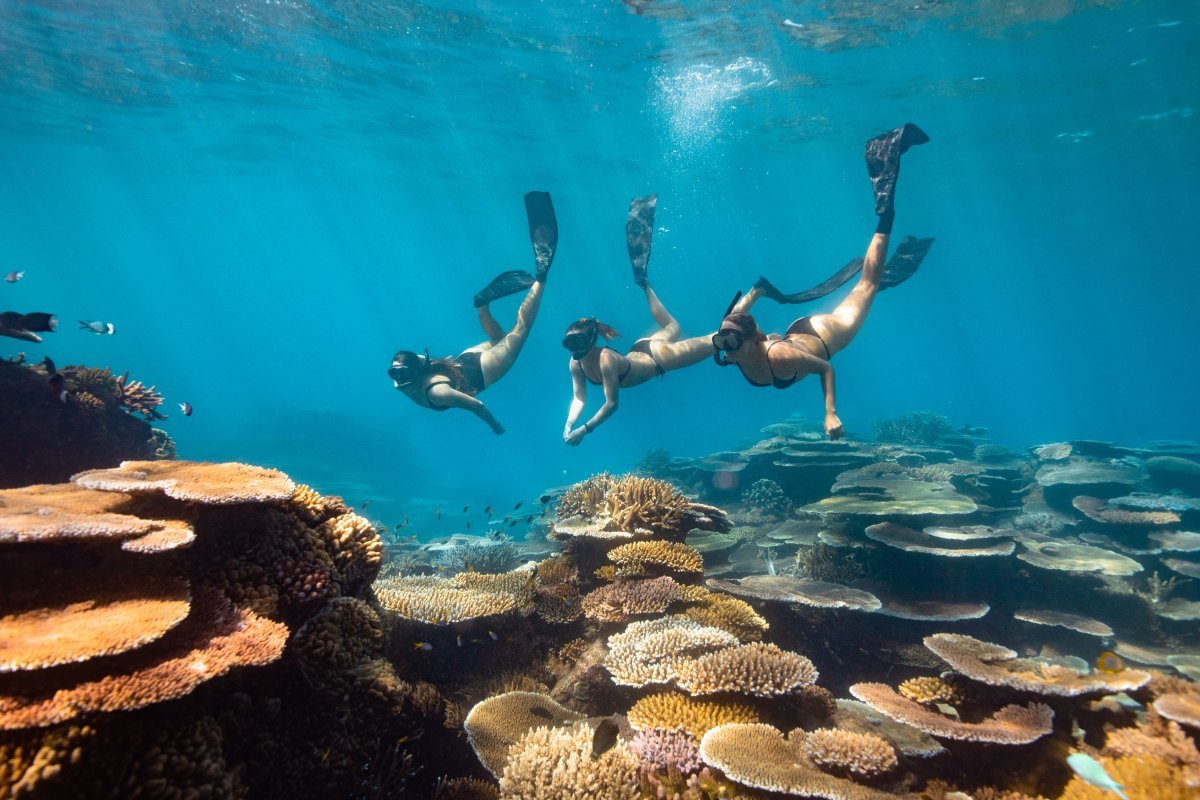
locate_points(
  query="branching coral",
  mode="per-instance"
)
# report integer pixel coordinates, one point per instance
(672, 751)
(758, 669)
(561, 762)
(617, 602)
(471, 557)
(635, 503)
(651, 652)
(494, 725)
(919, 427)
(586, 498)
(862, 754)
(724, 612)
(137, 398)
(671, 711)
(468, 595)
(929, 690)
(637, 557)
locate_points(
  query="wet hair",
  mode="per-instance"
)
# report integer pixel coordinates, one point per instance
(448, 367)
(589, 324)
(746, 324)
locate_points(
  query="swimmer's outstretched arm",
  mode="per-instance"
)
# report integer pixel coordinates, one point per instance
(608, 374)
(578, 397)
(793, 361)
(447, 397)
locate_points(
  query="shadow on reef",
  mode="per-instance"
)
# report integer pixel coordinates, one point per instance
(938, 618)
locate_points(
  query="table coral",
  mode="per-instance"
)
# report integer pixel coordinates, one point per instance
(1010, 725)
(759, 669)
(863, 754)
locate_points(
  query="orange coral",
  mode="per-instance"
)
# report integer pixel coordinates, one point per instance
(863, 754)
(1142, 777)
(1009, 725)
(193, 481)
(215, 639)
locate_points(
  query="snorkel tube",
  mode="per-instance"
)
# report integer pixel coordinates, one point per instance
(407, 367)
(581, 337)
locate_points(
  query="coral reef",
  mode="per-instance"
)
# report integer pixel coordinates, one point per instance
(671, 711)
(862, 754)
(618, 602)
(919, 427)
(759, 669)
(561, 762)
(767, 497)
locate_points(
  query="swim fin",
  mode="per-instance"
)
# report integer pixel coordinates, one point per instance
(503, 285)
(883, 162)
(905, 261)
(639, 232)
(543, 230)
(903, 264)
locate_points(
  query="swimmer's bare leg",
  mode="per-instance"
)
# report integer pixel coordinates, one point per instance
(491, 328)
(499, 359)
(668, 326)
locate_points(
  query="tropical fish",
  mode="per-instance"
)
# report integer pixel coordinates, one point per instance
(364, 505)
(604, 737)
(514, 522)
(458, 639)
(468, 524)
(488, 510)
(411, 737)
(14, 276)
(58, 385)
(518, 505)
(468, 505)
(426, 646)
(98, 327)
(1109, 663)
(186, 408)
(48, 365)
(492, 634)
(1092, 773)
(437, 512)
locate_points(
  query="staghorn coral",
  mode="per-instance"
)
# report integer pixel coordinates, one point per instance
(672, 751)
(192, 481)
(767, 497)
(919, 427)
(1010, 725)
(929, 690)
(554, 570)
(845, 752)
(998, 666)
(759, 756)
(634, 503)
(494, 725)
(137, 398)
(102, 615)
(654, 463)
(652, 651)
(499, 557)
(213, 640)
(617, 602)
(672, 711)
(636, 557)
(559, 762)
(1142, 777)
(822, 562)
(586, 498)
(99, 382)
(758, 669)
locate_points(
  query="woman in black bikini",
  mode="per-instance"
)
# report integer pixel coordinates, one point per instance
(810, 342)
(455, 382)
(656, 354)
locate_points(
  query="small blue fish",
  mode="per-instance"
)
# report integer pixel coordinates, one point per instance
(1092, 773)
(186, 408)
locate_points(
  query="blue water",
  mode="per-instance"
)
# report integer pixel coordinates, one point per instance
(269, 198)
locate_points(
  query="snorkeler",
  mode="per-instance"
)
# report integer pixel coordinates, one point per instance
(810, 342)
(653, 355)
(455, 381)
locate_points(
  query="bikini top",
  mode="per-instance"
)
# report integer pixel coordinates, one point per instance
(778, 383)
(620, 378)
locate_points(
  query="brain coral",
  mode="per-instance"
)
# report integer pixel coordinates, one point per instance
(671, 711)
(559, 762)
(757, 669)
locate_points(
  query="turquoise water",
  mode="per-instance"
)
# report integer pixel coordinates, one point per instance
(267, 199)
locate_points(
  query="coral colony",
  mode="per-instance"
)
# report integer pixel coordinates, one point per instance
(924, 616)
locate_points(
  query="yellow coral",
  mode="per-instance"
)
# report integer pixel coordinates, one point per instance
(863, 754)
(929, 690)
(757, 669)
(678, 712)
(1142, 777)
(586, 498)
(560, 763)
(635, 503)
(635, 557)
(724, 612)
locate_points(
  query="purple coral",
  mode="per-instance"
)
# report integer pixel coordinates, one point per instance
(674, 751)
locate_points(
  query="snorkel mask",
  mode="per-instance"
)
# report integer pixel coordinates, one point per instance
(580, 338)
(407, 366)
(727, 338)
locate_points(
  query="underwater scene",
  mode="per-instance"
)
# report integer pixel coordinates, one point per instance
(408, 400)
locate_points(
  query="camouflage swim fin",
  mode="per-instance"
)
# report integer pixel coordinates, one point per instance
(543, 231)
(639, 234)
(883, 162)
(903, 264)
(503, 285)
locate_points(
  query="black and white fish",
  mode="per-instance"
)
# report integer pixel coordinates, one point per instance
(186, 408)
(14, 276)
(98, 327)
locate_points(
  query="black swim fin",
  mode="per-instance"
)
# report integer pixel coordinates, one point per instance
(503, 285)
(905, 261)
(543, 230)
(883, 162)
(639, 233)
(903, 264)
